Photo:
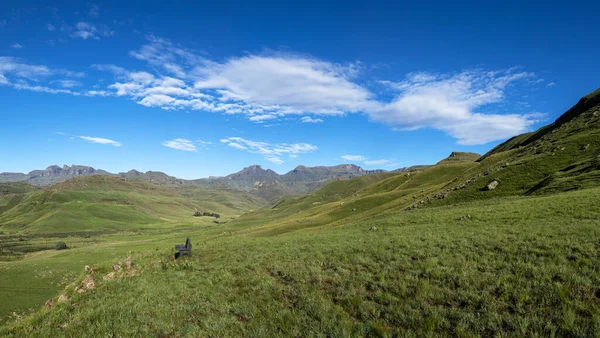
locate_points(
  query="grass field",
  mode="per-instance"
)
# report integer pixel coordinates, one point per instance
(521, 266)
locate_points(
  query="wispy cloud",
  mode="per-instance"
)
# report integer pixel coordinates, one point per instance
(21, 75)
(51, 27)
(364, 160)
(270, 152)
(308, 119)
(353, 158)
(94, 11)
(86, 30)
(181, 144)
(66, 83)
(551, 84)
(101, 140)
(16, 46)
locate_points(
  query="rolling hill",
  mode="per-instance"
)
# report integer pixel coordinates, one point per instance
(103, 202)
(562, 156)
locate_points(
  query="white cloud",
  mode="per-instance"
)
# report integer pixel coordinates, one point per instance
(100, 140)
(66, 83)
(270, 152)
(16, 46)
(237, 146)
(464, 105)
(450, 102)
(86, 30)
(362, 159)
(550, 84)
(181, 144)
(294, 84)
(21, 75)
(51, 27)
(353, 158)
(308, 119)
(260, 118)
(266, 87)
(18, 68)
(377, 162)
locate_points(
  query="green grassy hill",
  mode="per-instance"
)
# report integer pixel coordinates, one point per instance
(563, 156)
(94, 203)
(520, 266)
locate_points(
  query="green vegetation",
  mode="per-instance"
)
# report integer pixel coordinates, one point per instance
(15, 188)
(521, 266)
(429, 252)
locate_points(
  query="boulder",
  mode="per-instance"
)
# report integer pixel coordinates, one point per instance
(492, 185)
(63, 298)
(373, 228)
(88, 283)
(127, 263)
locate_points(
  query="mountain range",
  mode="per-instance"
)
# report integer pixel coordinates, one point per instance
(264, 183)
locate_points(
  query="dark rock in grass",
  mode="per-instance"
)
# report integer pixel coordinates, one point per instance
(585, 146)
(373, 228)
(464, 218)
(353, 209)
(61, 246)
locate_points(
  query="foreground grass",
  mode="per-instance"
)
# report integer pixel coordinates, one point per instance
(520, 267)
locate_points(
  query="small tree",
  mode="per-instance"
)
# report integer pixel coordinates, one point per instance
(61, 246)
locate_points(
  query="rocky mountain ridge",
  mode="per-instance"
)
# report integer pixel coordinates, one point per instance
(262, 182)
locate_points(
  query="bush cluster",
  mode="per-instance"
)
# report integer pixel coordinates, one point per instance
(210, 214)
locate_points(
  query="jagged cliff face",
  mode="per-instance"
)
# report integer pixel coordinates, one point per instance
(75, 170)
(52, 174)
(272, 186)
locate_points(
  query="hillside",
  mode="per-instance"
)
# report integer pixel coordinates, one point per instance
(272, 186)
(15, 188)
(566, 158)
(103, 202)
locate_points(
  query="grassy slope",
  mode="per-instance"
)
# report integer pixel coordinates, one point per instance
(102, 202)
(523, 266)
(354, 199)
(223, 200)
(15, 188)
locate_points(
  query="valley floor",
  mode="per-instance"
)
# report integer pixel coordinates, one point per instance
(516, 266)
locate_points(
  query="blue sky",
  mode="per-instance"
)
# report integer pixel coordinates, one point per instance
(205, 89)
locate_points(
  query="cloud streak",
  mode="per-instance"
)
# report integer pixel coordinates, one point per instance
(270, 152)
(100, 140)
(181, 144)
(364, 160)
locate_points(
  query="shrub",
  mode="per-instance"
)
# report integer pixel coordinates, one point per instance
(61, 246)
